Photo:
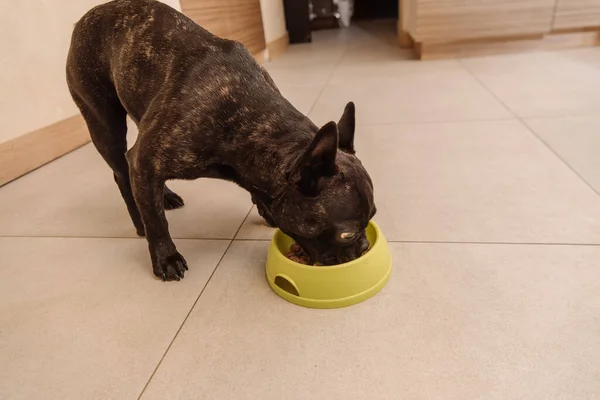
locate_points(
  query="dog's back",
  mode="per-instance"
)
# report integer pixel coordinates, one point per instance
(143, 49)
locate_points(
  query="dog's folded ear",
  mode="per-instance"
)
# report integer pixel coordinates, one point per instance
(318, 163)
(346, 127)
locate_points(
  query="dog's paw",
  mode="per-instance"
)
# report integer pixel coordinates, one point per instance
(171, 268)
(172, 200)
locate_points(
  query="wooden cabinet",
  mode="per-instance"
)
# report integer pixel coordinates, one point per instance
(461, 28)
(239, 20)
(577, 14)
(451, 20)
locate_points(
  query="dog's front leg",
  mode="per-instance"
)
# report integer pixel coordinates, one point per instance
(148, 191)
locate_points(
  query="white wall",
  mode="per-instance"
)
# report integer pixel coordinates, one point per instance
(273, 19)
(34, 40)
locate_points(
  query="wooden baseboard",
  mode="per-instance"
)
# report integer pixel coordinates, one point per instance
(25, 153)
(278, 46)
(568, 40)
(260, 57)
(480, 47)
(490, 46)
(404, 39)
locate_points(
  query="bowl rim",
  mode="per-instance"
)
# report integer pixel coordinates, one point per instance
(376, 244)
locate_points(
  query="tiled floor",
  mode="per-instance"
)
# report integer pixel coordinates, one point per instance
(487, 175)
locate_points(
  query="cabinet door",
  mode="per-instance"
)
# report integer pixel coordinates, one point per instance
(452, 20)
(239, 20)
(572, 14)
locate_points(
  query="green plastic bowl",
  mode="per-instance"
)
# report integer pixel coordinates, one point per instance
(329, 286)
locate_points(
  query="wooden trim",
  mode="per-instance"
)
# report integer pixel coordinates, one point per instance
(478, 47)
(569, 40)
(490, 46)
(260, 57)
(278, 46)
(25, 153)
(404, 38)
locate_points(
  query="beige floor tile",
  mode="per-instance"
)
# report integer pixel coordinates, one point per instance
(303, 97)
(384, 30)
(319, 53)
(436, 95)
(475, 181)
(588, 55)
(334, 39)
(454, 322)
(576, 140)
(316, 75)
(85, 318)
(76, 196)
(540, 84)
(379, 52)
(384, 60)
(315, 60)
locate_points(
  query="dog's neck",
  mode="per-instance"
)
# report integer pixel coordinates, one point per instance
(270, 170)
(272, 155)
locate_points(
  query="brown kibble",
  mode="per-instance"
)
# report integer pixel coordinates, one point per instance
(297, 254)
(304, 260)
(295, 259)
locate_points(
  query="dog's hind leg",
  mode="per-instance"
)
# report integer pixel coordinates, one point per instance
(106, 121)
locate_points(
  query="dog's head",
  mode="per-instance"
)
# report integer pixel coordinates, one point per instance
(329, 199)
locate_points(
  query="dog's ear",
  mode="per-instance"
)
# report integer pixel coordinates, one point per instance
(346, 127)
(318, 163)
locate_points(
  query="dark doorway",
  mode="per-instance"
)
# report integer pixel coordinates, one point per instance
(374, 9)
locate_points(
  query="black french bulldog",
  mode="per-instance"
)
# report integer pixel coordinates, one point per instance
(206, 108)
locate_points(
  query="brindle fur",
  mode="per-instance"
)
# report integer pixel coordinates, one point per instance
(205, 108)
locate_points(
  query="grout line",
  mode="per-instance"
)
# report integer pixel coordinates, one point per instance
(530, 130)
(107, 237)
(459, 242)
(191, 309)
(487, 89)
(243, 222)
(544, 143)
(263, 240)
(258, 240)
(494, 243)
(449, 121)
(567, 115)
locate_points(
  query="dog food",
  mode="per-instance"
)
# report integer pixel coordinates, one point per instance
(297, 254)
